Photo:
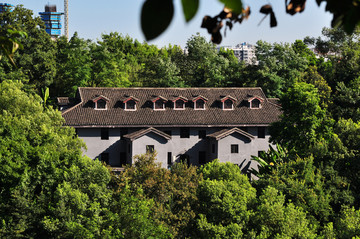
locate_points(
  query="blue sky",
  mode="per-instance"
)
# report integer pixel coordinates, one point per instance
(91, 18)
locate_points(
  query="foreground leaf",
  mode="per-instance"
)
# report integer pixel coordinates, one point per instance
(190, 8)
(156, 16)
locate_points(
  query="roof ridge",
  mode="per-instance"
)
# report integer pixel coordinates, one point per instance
(169, 88)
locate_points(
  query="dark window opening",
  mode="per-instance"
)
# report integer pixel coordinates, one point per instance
(184, 132)
(202, 157)
(123, 131)
(228, 104)
(101, 104)
(104, 134)
(179, 104)
(159, 105)
(200, 104)
(149, 149)
(255, 103)
(234, 148)
(131, 105)
(104, 157)
(129, 148)
(122, 158)
(213, 148)
(202, 134)
(169, 159)
(261, 132)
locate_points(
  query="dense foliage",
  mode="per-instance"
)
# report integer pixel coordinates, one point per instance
(307, 187)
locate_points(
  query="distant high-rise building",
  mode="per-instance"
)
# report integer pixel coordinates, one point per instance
(52, 20)
(5, 7)
(244, 52)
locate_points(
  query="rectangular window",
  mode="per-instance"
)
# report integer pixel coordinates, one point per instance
(202, 157)
(122, 158)
(104, 157)
(213, 148)
(179, 104)
(200, 105)
(123, 131)
(131, 105)
(228, 105)
(104, 134)
(184, 132)
(234, 148)
(149, 149)
(169, 159)
(261, 132)
(202, 134)
(159, 105)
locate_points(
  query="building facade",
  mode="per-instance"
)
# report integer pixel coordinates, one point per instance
(195, 125)
(244, 52)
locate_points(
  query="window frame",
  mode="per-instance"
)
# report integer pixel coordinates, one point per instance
(196, 104)
(150, 149)
(232, 105)
(97, 104)
(126, 105)
(252, 102)
(183, 104)
(162, 103)
(234, 148)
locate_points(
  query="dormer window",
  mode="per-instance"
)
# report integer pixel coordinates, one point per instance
(199, 103)
(179, 105)
(228, 102)
(179, 102)
(255, 102)
(159, 103)
(130, 103)
(100, 102)
(227, 105)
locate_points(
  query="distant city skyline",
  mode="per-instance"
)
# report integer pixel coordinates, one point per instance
(93, 18)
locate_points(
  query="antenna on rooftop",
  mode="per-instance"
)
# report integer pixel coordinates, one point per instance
(66, 20)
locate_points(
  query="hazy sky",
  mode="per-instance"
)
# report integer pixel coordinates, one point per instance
(91, 18)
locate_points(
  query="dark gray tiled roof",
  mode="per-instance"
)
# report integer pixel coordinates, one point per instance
(84, 115)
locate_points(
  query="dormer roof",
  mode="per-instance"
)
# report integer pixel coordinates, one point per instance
(199, 97)
(99, 97)
(252, 97)
(156, 98)
(175, 98)
(233, 99)
(126, 99)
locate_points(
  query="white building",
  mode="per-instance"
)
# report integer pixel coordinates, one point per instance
(244, 52)
(195, 125)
